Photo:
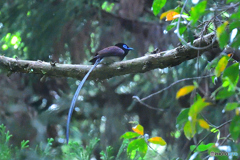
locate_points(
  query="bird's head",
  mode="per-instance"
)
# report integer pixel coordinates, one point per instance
(124, 47)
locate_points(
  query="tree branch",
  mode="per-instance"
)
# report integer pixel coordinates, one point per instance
(138, 65)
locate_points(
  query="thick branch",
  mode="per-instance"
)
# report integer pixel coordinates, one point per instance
(138, 65)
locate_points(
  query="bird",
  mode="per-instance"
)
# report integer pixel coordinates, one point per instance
(116, 52)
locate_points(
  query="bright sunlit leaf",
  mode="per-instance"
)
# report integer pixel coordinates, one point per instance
(4, 47)
(202, 147)
(129, 135)
(203, 124)
(107, 6)
(157, 140)
(185, 90)
(157, 6)
(14, 40)
(138, 144)
(164, 14)
(138, 129)
(169, 15)
(222, 63)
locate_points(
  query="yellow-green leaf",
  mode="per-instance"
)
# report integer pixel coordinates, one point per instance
(129, 135)
(138, 129)
(203, 124)
(185, 90)
(196, 108)
(222, 63)
(157, 140)
(237, 111)
(221, 29)
(189, 130)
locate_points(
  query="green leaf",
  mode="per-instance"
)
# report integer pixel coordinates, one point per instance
(24, 144)
(202, 147)
(229, 1)
(223, 39)
(182, 118)
(170, 26)
(231, 106)
(222, 63)
(222, 35)
(138, 129)
(224, 93)
(189, 130)
(198, 11)
(233, 25)
(236, 41)
(157, 6)
(157, 140)
(196, 108)
(129, 135)
(138, 144)
(235, 127)
(182, 29)
(231, 75)
(132, 146)
(236, 15)
(184, 91)
(142, 147)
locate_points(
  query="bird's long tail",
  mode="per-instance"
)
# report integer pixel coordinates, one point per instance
(76, 95)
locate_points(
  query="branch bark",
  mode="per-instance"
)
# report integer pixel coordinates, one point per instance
(138, 65)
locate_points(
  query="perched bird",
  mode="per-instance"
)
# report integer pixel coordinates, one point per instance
(118, 52)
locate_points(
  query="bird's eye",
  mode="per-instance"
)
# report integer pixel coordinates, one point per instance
(125, 46)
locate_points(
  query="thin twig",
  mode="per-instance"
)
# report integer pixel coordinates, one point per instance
(178, 81)
(148, 106)
(225, 139)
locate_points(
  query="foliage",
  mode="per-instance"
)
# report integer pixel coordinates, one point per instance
(72, 151)
(5, 150)
(140, 145)
(192, 121)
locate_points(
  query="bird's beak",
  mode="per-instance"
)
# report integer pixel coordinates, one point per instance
(130, 48)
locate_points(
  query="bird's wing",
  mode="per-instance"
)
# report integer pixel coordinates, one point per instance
(111, 51)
